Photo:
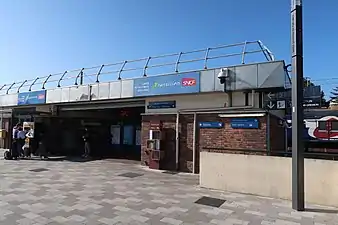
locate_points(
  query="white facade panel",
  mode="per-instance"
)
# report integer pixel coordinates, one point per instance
(94, 91)
(54, 95)
(271, 75)
(127, 89)
(115, 89)
(256, 99)
(246, 77)
(104, 89)
(198, 101)
(238, 99)
(9, 99)
(65, 94)
(207, 81)
(79, 93)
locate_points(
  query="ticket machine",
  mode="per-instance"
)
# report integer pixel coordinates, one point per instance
(155, 145)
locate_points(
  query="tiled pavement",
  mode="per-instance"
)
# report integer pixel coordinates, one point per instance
(96, 193)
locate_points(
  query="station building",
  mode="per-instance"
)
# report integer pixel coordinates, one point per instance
(165, 121)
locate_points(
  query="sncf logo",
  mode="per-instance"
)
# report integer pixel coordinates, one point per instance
(188, 82)
(41, 96)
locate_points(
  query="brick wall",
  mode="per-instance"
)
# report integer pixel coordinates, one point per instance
(228, 139)
(169, 126)
(225, 139)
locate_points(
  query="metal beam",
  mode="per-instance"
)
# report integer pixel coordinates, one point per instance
(18, 91)
(45, 81)
(10, 87)
(80, 74)
(2, 87)
(297, 106)
(98, 74)
(61, 78)
(146, 66)
(32, 84)
(121, 69)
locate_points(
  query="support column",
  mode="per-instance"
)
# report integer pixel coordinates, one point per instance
(297, 106)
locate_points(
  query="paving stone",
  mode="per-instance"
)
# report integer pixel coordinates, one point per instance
(94, 193)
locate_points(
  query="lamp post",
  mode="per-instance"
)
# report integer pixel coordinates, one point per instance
(297, 106)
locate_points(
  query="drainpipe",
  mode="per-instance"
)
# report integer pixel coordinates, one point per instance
(194, 136)
(1, 118)
(286, 136)
(177, 140)
(268, 135)
(253, 98)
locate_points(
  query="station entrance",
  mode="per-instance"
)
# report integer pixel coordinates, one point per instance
(114, 130)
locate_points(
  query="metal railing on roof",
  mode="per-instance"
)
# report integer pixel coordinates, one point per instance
(195, 60)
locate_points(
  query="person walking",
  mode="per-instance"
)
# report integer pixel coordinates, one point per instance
(86, 139)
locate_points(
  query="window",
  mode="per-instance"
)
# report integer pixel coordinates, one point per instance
(322, 125)
(334, 125)
(128, 135)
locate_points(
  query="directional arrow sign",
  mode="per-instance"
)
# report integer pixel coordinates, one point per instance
(270, 95)
(270, 105)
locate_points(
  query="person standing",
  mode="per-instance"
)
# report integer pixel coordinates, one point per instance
(21, 140)
(86, 139)
(14, 148)
(15, 130)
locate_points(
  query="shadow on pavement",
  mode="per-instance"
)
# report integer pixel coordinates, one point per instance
(63, 158)
(332, 211)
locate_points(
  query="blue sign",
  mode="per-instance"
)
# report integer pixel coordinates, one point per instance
(184, 83)
(211, 125)
(162, 105)
(245, 123)
(32, 98)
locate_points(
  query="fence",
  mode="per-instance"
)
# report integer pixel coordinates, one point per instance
(181, 62)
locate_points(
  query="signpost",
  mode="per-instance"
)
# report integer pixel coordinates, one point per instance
(211, 125)
(312, 98)
(274, 103)
(245, 123)
(297, 106)
(162, 105)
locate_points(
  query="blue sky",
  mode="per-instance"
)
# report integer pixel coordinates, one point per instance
(40, 37)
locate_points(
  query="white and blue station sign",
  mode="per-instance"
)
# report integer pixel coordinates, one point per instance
(244, 123)
(184, 83)
(32, 98)
(162, 105)
(211, 125)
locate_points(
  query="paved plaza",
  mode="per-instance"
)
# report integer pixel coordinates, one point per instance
(121, 192)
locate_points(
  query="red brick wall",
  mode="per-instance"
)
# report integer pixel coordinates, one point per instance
(169, 145)
(229, 139)
(225, 139)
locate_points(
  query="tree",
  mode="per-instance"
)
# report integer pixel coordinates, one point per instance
(334, 94)
(324, 103)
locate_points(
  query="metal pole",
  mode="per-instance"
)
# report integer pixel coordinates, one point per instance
(268, 135)
(81, 77)
(297, 106)
(177, 152)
